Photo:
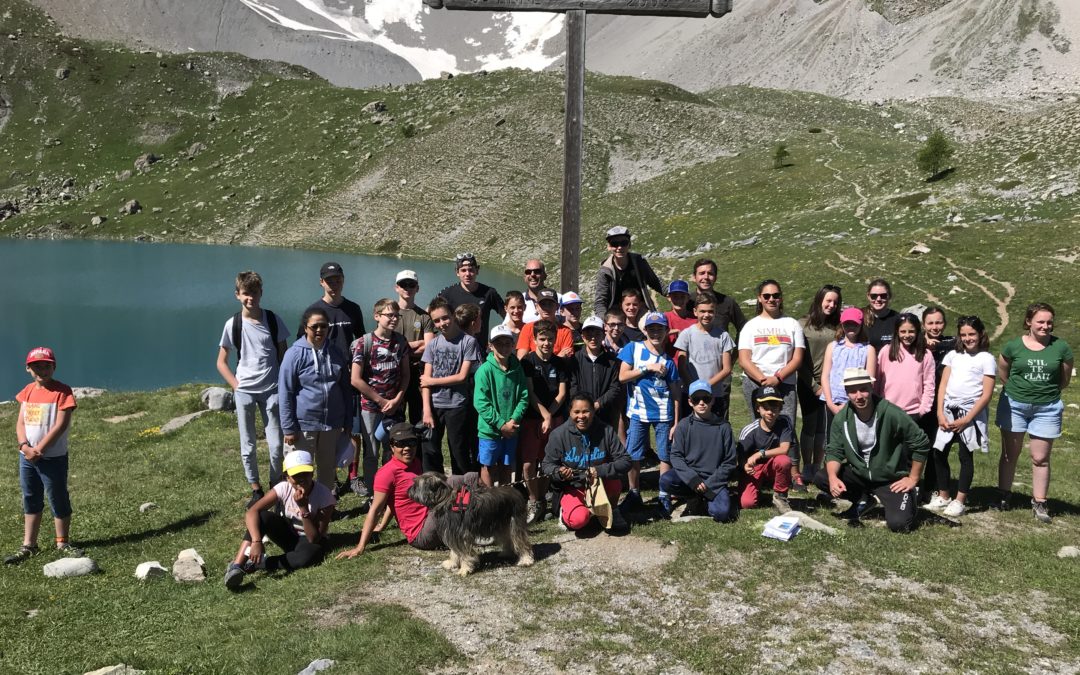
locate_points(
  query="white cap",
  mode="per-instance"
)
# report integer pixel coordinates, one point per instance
(500, 331)
(617, 231)
(570, 298)
(298, 461)
(593, 322)
(406, 275)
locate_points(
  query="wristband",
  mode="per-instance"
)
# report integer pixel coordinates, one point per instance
(26, 443)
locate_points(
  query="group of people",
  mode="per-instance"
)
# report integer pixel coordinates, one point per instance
(562, 401)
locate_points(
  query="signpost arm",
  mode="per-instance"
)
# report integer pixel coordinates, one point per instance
(575, 121)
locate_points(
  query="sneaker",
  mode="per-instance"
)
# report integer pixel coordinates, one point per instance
(1042, 514)
(22, 554)
(69, 550)
(256, 495)
(954, 509)
(234, 576)
(857, 510)
(824, 500)
(532, 510)
(618, 523)
(665, 505)
(1003, 502)
(631, 501)
(937, 502)
(798, 484)
(780, 502)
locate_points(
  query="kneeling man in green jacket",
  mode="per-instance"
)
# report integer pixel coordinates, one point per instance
(874, 447)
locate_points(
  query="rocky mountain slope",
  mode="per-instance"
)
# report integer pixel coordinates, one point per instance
(860, 49)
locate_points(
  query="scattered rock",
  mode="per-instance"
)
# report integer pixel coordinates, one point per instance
(217, 398)
(919, 249)
(178, 422)
(124, 175)
(130, 208)
(444, 75)
(70, 567)
(149, 570)
(808, 523)
(374, 107)
(1068, 552)
(195, 149)
(87, 392)
(98, 220)
(124, 418)
(752, 241)
(8, 210)
(996, 218)
(189, 566)
(118, 669)
(147, 507)
(317, 666)
(62, 73)
(31, 613)
(143, 162)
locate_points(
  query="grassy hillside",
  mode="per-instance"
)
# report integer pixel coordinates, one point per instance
(256, 153)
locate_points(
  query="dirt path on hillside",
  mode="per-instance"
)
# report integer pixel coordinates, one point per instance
(1001, 302)
(864, 201)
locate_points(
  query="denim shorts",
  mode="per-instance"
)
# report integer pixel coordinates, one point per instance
(1042, 420)
(637, 437)
(49, 476)
(498, 452)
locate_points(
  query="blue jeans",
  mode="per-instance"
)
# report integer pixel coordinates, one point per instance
(637, 436)
(719, 507)
(45, 476)
(267, 404)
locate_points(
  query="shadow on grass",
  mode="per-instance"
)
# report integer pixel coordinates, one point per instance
(941, 175)
(984, 496)
(194, 520)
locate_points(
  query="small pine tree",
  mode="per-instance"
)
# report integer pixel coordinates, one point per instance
(780, 155)
(935, 155)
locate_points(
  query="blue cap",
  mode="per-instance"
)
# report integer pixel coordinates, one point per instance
(678, 286)
(700, 386)
(654, 318)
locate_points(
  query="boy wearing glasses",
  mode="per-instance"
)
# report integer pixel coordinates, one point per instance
(763, 452)
(470, 291)
(702, 456)
(258, 336)
(380, 372)
(416, 326)
(622, 270)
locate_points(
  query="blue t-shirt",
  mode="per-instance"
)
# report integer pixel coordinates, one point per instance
(649, 398)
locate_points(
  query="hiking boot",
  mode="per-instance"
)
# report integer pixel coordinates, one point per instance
(234, 576)
(824, 500)
(857, 510)
(22, 554)
(954, 509)
(256, 495)
(798, 484)
(780, 502)
(69, 550)
(664, 501)
(1042, 514)
(618, 523)
(532, 510)
(1002, 503)
(937, 502)
(631, 501)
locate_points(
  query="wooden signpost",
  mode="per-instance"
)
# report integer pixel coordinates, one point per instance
(576, 11)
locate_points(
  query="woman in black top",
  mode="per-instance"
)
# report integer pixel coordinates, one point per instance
(939, 345)
(879, 318)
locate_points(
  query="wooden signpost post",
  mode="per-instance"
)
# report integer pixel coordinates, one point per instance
(575, 11)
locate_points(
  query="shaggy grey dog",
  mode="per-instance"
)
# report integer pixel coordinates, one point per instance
(490, 513)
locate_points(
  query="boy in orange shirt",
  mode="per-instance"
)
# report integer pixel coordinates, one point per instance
(45, 407)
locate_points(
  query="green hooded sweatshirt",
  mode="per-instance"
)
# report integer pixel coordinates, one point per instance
(899, 442)
(499, 396)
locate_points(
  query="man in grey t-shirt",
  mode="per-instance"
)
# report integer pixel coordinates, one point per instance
(703, 352)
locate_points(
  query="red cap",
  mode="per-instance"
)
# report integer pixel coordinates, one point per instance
(40, 354)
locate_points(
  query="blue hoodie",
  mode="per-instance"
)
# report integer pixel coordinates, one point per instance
(703, 451)
(314, 393)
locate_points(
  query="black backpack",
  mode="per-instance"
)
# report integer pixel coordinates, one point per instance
(237, 326)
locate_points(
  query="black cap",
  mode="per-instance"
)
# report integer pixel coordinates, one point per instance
(330, 269)
(402, 433)
(767, 394)
(547, 294)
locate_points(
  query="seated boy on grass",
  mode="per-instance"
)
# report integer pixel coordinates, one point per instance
(298, 527)
(763, 452)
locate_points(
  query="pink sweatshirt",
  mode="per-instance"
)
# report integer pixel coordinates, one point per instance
(907, 383)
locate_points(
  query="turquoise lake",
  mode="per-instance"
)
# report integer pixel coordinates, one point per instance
(133, 316)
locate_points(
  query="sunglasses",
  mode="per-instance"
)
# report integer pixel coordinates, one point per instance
(534, 272)
(878, 296)
(700, 398)
(409, 285)
(319, 326)
(829, 288)
(391, 315)
(464, 256)
(772, 296)
(618, 243)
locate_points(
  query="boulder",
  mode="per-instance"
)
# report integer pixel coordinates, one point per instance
(182, 421)
(374, 107)
(8, 210)
(1068, 552)
(317, 666)
(195, 149)
(147, 507)
(123, 175)
(130, 208)
(143, 162)
(218, 398)
(62, 73)
(118, 669)
(189, 566)
(87, 392)
(150, 569)
(97, 220)
(70, 567)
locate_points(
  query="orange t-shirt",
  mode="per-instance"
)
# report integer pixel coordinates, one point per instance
(564, 337)
(40, 405)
